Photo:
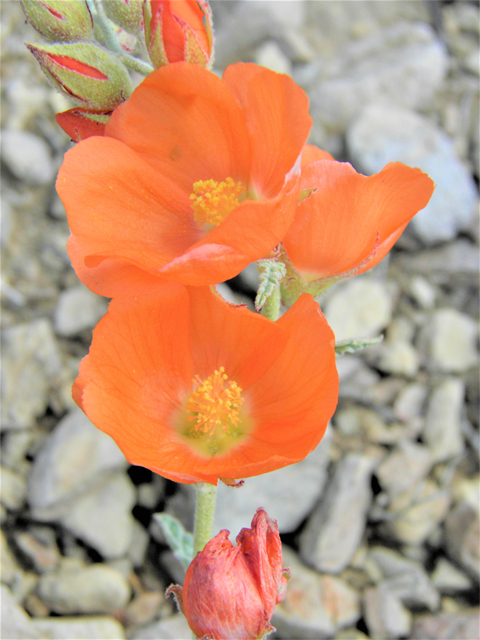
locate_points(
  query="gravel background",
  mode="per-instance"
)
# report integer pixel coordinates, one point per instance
(381, 522)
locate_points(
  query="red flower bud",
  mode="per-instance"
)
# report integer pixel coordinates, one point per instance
(178, 30)
(81, 123)
(90, 75)
(230, 592)
(59, 20)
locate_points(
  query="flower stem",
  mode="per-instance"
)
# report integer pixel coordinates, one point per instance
(135, 64)
(101, 19)
(271, 307)
(204, 515)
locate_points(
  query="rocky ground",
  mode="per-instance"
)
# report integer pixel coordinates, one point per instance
(381, 523)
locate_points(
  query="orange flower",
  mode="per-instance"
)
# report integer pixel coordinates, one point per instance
(196, 389)
(194, 179)
(80, 123)
(230, 592)
(348, 222)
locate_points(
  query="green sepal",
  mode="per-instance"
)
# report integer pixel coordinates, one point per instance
(60, 20)
(270, 273)
(179, 540)
(350, 346)
(127, 15)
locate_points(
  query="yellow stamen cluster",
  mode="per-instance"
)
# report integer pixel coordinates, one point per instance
(212, 201)
(214, 405)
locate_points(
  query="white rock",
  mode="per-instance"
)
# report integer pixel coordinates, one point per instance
(408, 463)
(369, 306)
(97, 588)
(173, 628)
(443, 429)
(404, 64)
(30, 366)
(14, 489)
(385, 615)
(336, 527)
(6, 223)
(102, 517)
(315, 606)
(27, 156)
(271, 56)
(453, 341)
(81, 628)
(410, 402)
(399, 357)
(77, 309)
(386, 133)
(8, 562)
(423, 292)
(287, 495)
(15, 624)
(462, 532)
(448, 579)
(72, 459)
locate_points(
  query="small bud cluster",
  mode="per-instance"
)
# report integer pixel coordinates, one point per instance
(94, 43)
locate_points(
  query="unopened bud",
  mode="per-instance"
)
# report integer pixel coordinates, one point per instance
(85, 72)
(177, 30)
(82, 123)
(59, 20)
(127, 14)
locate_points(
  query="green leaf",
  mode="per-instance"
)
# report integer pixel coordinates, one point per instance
(350, 346)
(180, 541)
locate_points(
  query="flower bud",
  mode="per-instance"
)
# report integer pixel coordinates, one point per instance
(59, 20)
(231, 592)
(177, 30)
(81, 123)
(127, 14)
(93, 77)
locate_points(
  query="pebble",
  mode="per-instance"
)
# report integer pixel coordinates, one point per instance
(389, 133)
(404, 64)
(370, 309)
(15, 623)
(448, 579)
(315, 606)
(398, 357)
(453, 341)
(72, 459)
(462, 533)
(442, 431)
(8, 562)
(102, 517)
(6, 223)
(422, 292)
(77, 309)
(27, 156)
(271, 56)
(336, 527)
(401, 470)
(31, 363)
(14, 489)
(44, 556)
(144, 608)
(385, 615)
(410, 401)
(464, 625)
(80, 628)
(97, 588)
(287, 495)
(172, 628)
(458, 258)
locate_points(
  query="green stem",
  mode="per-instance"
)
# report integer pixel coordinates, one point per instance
(271, 307)
(204, 515)
(101, 19)
(135, 64)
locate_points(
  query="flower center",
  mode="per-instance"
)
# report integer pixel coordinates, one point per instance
(212, 201)
(213, 414)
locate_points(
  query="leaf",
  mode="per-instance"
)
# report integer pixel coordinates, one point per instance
(350, 346)
(180, 541)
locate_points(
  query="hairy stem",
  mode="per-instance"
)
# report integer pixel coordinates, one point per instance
(204, 515)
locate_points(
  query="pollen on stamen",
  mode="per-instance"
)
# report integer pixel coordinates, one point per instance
(212, 201)
(214, 406)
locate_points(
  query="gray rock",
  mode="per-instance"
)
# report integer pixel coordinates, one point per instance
(102, 517)
(458, 258)
(410, 402)
(407, 463)
(453, 341)
(385, 615)
(423, 292)
(173, 628)
(97, 588)
(462, 532)
(41, 550)
(287, 494)
(448, 579)
(27, 156)
(72, 459)
(271, 56)
(315, 606)
(14, 489)
(445, 626)
(405, 578)
(370, 309)
(77, 309)
(8, 562)
(81, 628)
(404, 64)
(442, 431)
(398, 357)
(6, 223)
(15, 624)
(336, 527)
(31, 365)
(388, 133)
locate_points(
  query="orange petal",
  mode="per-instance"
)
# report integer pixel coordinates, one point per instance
(185, 122)
(351, 221)
(276, 113)
(311, 153)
